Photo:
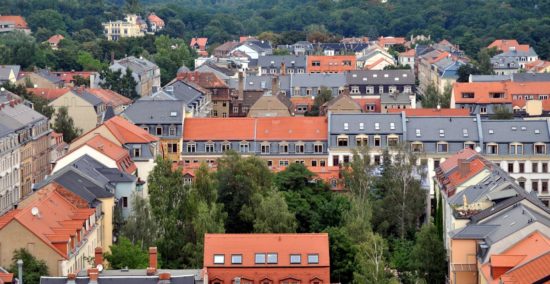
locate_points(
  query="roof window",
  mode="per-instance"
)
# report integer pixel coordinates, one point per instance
(361, 125)
(377, 126)
(441, 133)
(392, 126)
(173, 114)
(418, 132)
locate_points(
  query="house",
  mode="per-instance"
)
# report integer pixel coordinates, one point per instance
(10, 23)
(145, 73)
(513, 61)
(142, 147)
(299, 48)
(9, 159)
(224, 49)
(151, 275)
(311, 84)
(375, 58)
(155, 22)
(343, 103)
(330, 64)
(397, 101)
(196, 99)
(48, 94)
(253, 48)
(379, 82)
(445, 112)
(9, 73)
(85, 109)
(407, 58)
(267, 258)
(439, 67)
(538, 66)
(163, 119)
(331, 49)
(54, 225)
(69, 77)
(390, 41)
(54, 41)
(32, 129)
(199, 45)
(131, 26)
(220, 94)
(270, 105)
(41, 78)
(277, 140)
(363, 39)
(111, 99)
(223, 73)
(504, 45)
(281, 64)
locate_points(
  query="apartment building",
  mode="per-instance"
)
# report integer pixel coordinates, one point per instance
(10, 181)
(331, 64)
(131, 26)
(145, 73)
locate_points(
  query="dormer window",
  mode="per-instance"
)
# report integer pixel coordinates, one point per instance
(417, 147)
(159, 130)
(540, 149)
(392, 126)
(342, 141)
(265, 148)
(172, 131)
(442, 147)
(355, 90)
(516, 149)
(209, 147)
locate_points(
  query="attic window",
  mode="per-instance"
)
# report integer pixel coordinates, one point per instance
(272, 62)
(377, 126)
(354, 75)
(364, 78)
(374, 75)
(418, 133)
(361, 126)
(396, 78)
(441, 133)
(173, 114)
(404, 75)
(523, 128)
(537, 131)
(346, 126)
(392, 126)
(491, 131)
(465, 132)
(514, 128)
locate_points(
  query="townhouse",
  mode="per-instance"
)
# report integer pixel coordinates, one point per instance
(145, 73)
(375, 57)
(253, 48)
(277, 140)
(266, 258)
(55, 226)
(10, 181)
(163, 119)
(41, 78)
(199, 45)
(513, 60)
(438, 65)
(220, 94)
(183, 89)
(155, 22)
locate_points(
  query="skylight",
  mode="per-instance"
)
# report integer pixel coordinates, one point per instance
(392, 126)
(377, 126)
(418, 133)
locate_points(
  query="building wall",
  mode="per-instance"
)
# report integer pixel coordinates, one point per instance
(10, 172)
(26, 169)
(167, 151)
(463, 252)
(101, 130)
(275, 274)
(127, 190)
(40, 163)
(120, 29)
(331, 64)
(268, 106)
(39, 82)
(105, 230)
(84, 150)
(83, 113)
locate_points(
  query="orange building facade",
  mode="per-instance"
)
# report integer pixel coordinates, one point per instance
(330, 64)
(266, 258)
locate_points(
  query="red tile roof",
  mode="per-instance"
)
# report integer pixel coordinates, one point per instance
(6, 277)
(110, 98)
(55, 39)
(390, 40)
(245, 38)
(476, 166)
(58, 219)
(432, 111)
(282, 244)
(128, 133)
(408, 53)
(19, 21)
(69, 76)
(113, 151)
(452, 162)
(508, 44)
(200, 41)
(261, 128)
(483, 90)
(49, 94)
(378, 62)
(331, 63)
(207, 80)
(363, 103)
(155, 19)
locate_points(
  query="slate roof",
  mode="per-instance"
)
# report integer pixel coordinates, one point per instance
(258, 45)
(254, 82)
(344, 47)
(384, 121)
(515, 131)
(312, 80)
(183, 91)
(46, 74)
(87, 96)
(277, 60)
(490, 78)
(19, 114)
(147, 112)
(6, 69)
(380, 77)
(401, 98)
(99, 172)
(132, 277)
(137, 65)
(453, 129)
(531, 77)
(79, 183)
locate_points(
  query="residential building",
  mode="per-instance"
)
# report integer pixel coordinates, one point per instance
(111, 99)
(439, 68)
(330, 64)
(199, 45)
(85, 109)
(225, 49)
(223, 73)
(267, 258)
(58, 148)
(69, 77)
(376, 83)
(54, 41)
(311, 84)
(390, 41)
(504, 45)
(41, 78)
(103, 150)
(343, 103)
(339, 48)
(55, 226)
(48, 94)
(151, 275)
(163, 119)
(375, 58)
(10, 182)
(220, 94)
(407, 58)
(9, 23)
(271, 105)
(9, 73)
(32, 129)
(363, 39)
(145, 73)
(197, 100)
(253, 48)
(277, 140)
(142, 146)
(131, 26)
(513, 61)
(299, 48)
(281, 64)
(538, 66)
(432, 112)
(155, 22)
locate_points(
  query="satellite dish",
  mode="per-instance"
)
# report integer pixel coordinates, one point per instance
(35, 211)
(478, 149)
(99, 267)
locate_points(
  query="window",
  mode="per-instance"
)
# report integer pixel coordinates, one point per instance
(235, 109)
(355, 90)
(346, 126)
(544, 167)
(535, 185)
(295, 259)
(283, 148)
(137, 152)
(362, 140)
(283, 163)
(272, 258)
(470, 145)
(226, 146)
(346, 159)
(483, 110)
(442, 147)
(316, 63)
(346, 63)
(124, 202)
(377, 126)
(209, 148)
(265, 149)
(343, 141)
(172, 131)
(544, 186)
(191, 148)
(521, 167)
(540, 149)
(214, 113)
(496, 95)
(377, 141)
(159, 130)
(314, 163)
(535, 167)
(371, 107)
(492, 149)
(313, 258)
(318, 148)
(146, 129)
(516, 149)
(243, 147)
(393, 141)
(417, 147)
(259, 258)
(236, 259)
(370, 90)
(510, 167)
(468, 95)
(300, 148)
(219, 259)
(322, 163)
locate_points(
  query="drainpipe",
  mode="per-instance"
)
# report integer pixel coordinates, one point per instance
(20, 265)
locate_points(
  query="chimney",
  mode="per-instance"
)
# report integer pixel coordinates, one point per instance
(152, 269)
(93, 274)
(241, 86)
(275, 85)
(71, 278)
(164, 278)
(283, 69)
(463, 167)
(98, 256)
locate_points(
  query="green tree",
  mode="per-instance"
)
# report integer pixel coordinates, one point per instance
(81, 81)
(124, 254)
(49, 19)
(64, 124)
(428, 256)
(439, 216)
(170, 55)
(502, 112)
(325, 95)
(342, 255)
(431, 97)
(33, 268)
(39, 104)
(140, 227)
(132, 6)
(269, 213)
(123, 84)
(88, 62)
(371, 261)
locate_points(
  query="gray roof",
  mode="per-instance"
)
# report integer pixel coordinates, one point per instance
(6, 69)
(369, 121)
(505, 63)
(475, 231)
(531, 77)
(147, 112)
(313, 80)
(158, 96)
(137, 65)
(277, 60)
(210, 66)
(398, 98)
(183, 91)
(4, 130)
(79, 183)
(453, 129)
(85, 95)
(107, 278)
(517, 53)
(19, 115)
(344, 47)
(46, 74)
(253, 82)
(380, 77)
(494, 187)
(99, 172)
(507, 131)
(258, 45)
(489, 78)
